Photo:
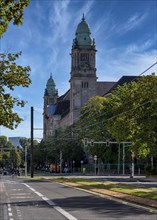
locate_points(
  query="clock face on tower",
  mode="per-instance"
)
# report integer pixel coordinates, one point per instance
(84, 58)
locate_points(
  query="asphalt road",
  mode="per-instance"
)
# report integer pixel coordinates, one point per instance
(43, 200)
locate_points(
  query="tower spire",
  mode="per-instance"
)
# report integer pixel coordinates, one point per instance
(83, 18)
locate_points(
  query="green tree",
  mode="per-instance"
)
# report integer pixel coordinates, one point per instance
(11, 10)
(91, 123)
(133, 115)
(3, 141)
(11, 74)
(16, 158)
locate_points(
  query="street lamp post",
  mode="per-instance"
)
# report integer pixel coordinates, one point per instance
(60, 161)
(133, 164)
(81, 166)
(119, 159)
(25, 160)
(95, 159)
(73, 170)
(123, 158)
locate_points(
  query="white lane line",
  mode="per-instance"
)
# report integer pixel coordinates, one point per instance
(20, 194)
(16, 189)
(51, 203)
(19, 213)
(20, 197)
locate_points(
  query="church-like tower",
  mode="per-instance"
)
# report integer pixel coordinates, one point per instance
(83, 69)
(50, 99)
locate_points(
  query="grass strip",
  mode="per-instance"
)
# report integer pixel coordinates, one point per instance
(142, 191)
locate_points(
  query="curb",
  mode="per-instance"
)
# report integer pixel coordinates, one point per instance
(150, 209)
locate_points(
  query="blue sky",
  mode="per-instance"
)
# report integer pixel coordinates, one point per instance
(125, 33)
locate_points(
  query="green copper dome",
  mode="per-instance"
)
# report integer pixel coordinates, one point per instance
(50, 86)
(83, 34)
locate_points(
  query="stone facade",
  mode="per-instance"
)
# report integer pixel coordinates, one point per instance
(65, 110)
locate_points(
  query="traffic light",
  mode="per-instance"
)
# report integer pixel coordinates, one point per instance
(107, 143)
(92, 143)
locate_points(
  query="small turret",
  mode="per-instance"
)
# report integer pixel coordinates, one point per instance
(50, 86)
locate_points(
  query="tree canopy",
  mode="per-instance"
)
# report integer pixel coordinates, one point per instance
(133, 114)
(11, 10)
(129, 113)
(11, 74)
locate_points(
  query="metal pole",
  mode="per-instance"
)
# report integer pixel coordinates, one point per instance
(119, 159)
(133, 170)
(60, 161)
(32, 153)
(95, 167)
(123, 158)
(26, 161)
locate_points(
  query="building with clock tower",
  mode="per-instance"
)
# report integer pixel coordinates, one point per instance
(83, 81)
(64, 111)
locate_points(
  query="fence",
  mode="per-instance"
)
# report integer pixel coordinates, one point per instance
(113, 169)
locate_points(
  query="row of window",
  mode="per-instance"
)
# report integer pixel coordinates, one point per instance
(84, 85)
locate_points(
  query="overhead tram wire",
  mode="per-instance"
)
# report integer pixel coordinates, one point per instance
(120, 113)
(97, 123)
(130, 81)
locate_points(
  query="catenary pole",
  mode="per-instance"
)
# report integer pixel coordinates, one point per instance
(32, 153)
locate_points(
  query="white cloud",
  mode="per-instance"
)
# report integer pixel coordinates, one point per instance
(125, 63)
(134, 21)
(59, 20)
(134, 48)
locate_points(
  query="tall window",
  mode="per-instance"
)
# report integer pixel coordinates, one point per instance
(84, 85)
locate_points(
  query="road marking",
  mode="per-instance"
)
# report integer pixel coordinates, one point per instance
(20, 197)
(16, 189)
(51, 203)
(19, 213)
(10, 212)
(20, 194)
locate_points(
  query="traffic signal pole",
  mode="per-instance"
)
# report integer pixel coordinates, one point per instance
(32, 152)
